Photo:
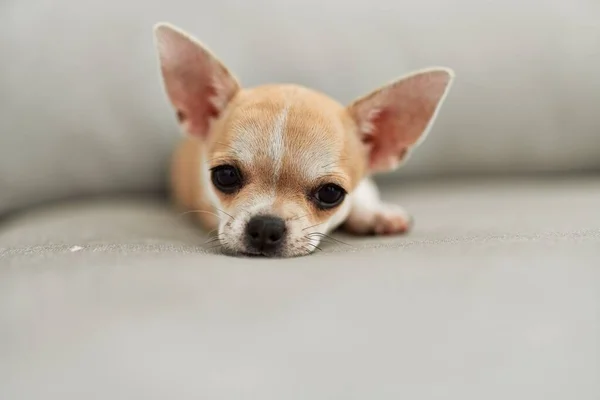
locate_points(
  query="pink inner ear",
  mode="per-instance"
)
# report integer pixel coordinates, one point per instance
(193, 104)
(394, 118)
(197, 84)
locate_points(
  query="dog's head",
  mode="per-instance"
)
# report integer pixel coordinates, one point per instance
(282, 161)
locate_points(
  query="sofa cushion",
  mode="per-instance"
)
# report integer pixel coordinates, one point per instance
(495, 292)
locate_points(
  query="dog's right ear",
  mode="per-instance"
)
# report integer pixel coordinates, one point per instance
(198, 85)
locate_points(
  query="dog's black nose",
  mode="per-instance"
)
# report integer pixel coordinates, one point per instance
(265, 233)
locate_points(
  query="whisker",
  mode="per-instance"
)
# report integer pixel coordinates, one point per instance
(199, 211)
(208, 212)
(208, 234)
(226, 213)
(296, 218)
(312, 226)
(323, 240)
(317, 247)
(214, 247)
(322, 235)
(216, 235)
(216, 239)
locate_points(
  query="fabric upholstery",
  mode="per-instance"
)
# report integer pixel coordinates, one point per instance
(82, 109)
(494, 295)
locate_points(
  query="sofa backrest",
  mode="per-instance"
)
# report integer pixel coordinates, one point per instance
(82, 109)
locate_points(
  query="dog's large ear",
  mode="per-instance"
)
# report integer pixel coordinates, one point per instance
(198, 85)
(393, 120)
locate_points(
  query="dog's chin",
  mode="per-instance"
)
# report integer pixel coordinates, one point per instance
(261, 254)
(251, 254)
(258, 254)
(255, 254)
(244, 250)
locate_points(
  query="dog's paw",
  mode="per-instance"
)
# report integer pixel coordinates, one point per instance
(388, 219)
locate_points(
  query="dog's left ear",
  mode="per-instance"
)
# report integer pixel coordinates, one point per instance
(199, 86)
(396, 118)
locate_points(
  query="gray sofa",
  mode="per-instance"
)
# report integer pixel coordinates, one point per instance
(107, 292)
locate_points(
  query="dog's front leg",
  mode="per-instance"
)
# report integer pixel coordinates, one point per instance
(369, 215)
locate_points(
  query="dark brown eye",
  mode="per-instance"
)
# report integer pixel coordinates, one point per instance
(226, 178)
(329, 196)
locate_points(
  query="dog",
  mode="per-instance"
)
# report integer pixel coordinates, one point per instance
(276, 167)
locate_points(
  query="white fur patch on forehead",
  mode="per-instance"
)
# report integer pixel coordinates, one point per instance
(277, 145)
(261, 136)
(289, 127)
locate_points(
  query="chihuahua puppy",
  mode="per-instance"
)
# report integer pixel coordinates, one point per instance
(273, 168)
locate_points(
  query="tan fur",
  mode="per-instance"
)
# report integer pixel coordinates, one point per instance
(287, 142)
(186, 182)
(328, 124)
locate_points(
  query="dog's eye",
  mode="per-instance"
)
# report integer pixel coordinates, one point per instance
(226, 178)
(329, 195)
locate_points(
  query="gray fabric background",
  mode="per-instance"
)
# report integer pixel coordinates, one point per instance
(82, 110)
(495, 295)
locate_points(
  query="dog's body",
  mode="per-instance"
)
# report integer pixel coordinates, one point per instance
(274, 168)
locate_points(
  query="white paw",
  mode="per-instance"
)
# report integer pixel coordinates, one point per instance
(388, 219)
